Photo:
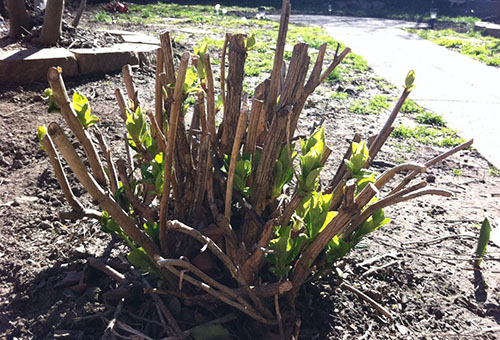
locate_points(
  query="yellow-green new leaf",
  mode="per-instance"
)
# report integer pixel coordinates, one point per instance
(484, 238)
(42, 131)
(410, 78)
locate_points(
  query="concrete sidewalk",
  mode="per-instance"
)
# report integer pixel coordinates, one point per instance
(463, 90)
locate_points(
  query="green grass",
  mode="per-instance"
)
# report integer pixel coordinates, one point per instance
(457, 172)
(472, 44)
(409, 106)
(339, 95)
(103, 16)
(375, 105)
(430, 118)
(494, 171)
(383, 85)
(439, 136)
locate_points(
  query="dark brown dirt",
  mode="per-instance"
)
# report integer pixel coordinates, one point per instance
(48, 291)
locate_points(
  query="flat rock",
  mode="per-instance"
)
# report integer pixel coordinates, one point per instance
(29, 66)
(488, 27)
(134, 37)
(110, 59)
(140, 39)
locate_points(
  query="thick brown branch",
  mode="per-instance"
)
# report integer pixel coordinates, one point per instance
(236, 57)
(159, 88)
(430, 163)
(67, 111)
(386, 129)
(120, 98)
(142, 210)
(210, 100)
(240, 131)
(278, 59)
(174, 118)
(102, 198)
(113, 181)
(390, 173)
(60, 175)
(129, 85)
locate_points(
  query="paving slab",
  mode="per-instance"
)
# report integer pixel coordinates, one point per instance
(30, 66)
(489, 28)
(110, 59)
(463, 90)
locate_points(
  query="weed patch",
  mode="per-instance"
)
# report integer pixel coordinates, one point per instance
(472, 44)
(428, 135)
(375, 105)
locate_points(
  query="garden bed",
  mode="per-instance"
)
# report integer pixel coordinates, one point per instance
(425, 280)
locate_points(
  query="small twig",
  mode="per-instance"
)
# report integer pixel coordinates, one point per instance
(240, 130)
(132, 330)
(129, 85)
(368, 299)
(244, 308)
(390, 173)
(377, 258)
(207, 278)
(112, 324)
(108, 270)
(268, 290)
(440, 239)
(430, 163)
(223, 69)
(157, 132)
(214, 248)
(386, 129)
(163, 310)
(113, 180)
(144, 211)
(128, 151)
(79, 13)
(278, 316)
(210, 101)
(376, 269)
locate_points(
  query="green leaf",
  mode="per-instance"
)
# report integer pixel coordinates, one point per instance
(359, 157)
(410, 78)
(310, 182)
(316, 213)
(484, 238)
(48, 95)
(219, 103)
(250, 42)
(139, 259)
(209, 332)
(283, 170)
(337, 248)
(137, 127)
(42, 131)
(191, 78)
(81, 106)
(152, 230)
(108, 224)
(284, 250)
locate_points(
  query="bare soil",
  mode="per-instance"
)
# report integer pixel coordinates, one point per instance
(425, 280)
